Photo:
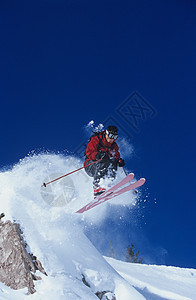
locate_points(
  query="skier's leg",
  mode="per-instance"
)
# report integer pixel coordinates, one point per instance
(101, 171)
(112, 169)
(91, 170)
(97, 170)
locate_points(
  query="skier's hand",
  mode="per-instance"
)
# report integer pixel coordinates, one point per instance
(102, 155)
(121, 162)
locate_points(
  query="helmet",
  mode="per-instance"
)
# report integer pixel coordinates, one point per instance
(112, 132)
(112, 129)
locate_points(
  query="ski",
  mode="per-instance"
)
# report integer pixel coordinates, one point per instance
(115, 191)
(133, 186)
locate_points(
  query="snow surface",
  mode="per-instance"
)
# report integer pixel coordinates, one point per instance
(54, 233)
(164, 282)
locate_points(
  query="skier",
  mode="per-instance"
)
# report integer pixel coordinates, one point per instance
(102, 146)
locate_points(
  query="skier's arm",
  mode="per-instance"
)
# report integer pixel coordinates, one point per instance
(117, 154)
(121, 161)
(92, 148)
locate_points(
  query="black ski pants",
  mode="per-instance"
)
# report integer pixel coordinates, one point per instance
(102, 169)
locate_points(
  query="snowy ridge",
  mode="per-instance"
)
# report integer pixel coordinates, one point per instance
(55, 235)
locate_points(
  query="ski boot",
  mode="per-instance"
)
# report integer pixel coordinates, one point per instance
(98, 191)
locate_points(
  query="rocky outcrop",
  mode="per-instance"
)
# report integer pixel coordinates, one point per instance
(17, 266)
(105, 295)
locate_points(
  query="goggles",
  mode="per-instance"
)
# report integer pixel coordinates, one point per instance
(111, 135)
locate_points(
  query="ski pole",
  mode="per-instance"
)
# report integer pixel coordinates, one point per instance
(45, 184)
(124, 171)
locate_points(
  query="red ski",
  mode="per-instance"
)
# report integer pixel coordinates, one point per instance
(115, 191)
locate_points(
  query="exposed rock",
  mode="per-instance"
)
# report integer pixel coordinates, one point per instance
(2, 215)
(109, 296)
(106, 295)
(16, 264)
(84, 281)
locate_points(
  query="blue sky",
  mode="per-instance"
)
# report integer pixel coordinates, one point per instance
(64, 63)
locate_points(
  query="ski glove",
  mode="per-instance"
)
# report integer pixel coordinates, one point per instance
(121, 162)
(102, 155)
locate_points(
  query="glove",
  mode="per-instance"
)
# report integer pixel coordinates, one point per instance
(121, 162)
(102, 155)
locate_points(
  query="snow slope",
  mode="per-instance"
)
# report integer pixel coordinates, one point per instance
(158, 282)
(54, 233)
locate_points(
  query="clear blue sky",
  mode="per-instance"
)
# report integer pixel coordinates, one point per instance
(64, 63)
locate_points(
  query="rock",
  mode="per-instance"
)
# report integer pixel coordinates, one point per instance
(2, 215)
(109, 296)
(16, 264)
(106, 295)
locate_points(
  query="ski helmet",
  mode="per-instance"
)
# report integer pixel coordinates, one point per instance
(112, 132)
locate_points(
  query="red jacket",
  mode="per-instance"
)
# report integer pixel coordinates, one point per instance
(98, 143)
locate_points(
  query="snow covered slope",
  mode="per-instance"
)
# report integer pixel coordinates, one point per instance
(55, 235)
(53, 232)
(158, 282)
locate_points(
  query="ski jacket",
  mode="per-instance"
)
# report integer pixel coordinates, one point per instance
(99, 143)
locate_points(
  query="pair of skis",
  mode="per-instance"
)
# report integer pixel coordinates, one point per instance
(114, 191)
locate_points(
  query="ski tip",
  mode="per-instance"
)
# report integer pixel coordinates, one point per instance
(131, 174)
(143, 179)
